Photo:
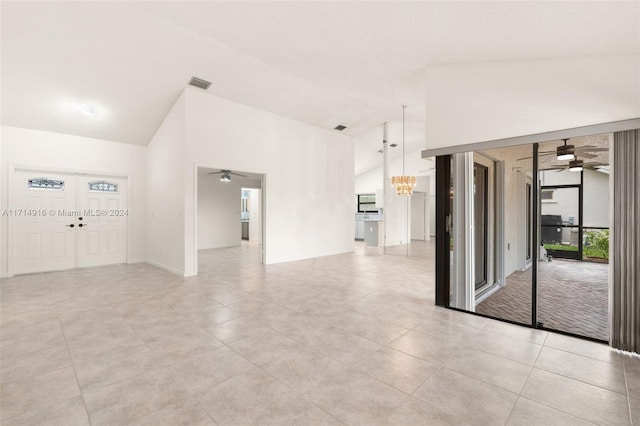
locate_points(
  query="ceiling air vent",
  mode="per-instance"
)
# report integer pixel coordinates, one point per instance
(340, 127)
(198, 82)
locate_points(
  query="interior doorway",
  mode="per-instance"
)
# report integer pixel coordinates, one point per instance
(230, 218)
(64, 220)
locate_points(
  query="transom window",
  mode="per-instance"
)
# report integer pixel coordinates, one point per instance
(45, 183)
(103, 186)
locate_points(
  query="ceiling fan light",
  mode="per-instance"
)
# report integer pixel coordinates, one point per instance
(565, 152)
(564, 157)
(576, 166)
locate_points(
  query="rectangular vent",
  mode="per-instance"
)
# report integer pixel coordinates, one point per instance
(340, 127)
(198, 82)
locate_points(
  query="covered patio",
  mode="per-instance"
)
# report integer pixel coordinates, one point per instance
(572, 297)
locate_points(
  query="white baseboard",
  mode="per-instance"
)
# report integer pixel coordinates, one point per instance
(165, 267)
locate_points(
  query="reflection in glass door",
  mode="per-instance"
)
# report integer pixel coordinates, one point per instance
(548, 228)
(480, 217)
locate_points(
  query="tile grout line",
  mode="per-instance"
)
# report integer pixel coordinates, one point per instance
(527, 380)
(541, 403)
(73, 365)
(626, 384)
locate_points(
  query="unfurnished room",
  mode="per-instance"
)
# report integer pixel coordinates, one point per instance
(319, 213)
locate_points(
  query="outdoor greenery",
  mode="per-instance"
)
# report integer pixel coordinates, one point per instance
(560, 247)
(596, 244)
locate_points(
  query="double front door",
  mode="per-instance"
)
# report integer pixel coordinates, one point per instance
(64, 220)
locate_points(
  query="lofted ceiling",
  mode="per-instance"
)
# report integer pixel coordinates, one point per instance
(323, 63)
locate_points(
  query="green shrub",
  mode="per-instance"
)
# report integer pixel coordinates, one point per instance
(596, 243)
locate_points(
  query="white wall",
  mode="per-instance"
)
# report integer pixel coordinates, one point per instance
(218, 212)
(55, 150)
(165, 192)
(596, 199)
(565, 202)
(486, 101)
(308, 183)
(371, 180)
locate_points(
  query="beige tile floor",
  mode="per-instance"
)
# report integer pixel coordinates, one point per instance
(349, 339)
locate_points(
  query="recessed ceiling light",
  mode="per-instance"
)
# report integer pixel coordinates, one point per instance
(88, 109)
(380, 151)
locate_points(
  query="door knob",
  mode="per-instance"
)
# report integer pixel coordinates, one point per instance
(71, 226)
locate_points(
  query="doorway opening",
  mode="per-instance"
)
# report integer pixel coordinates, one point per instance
(230, 220)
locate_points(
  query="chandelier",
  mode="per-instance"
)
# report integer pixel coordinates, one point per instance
(404, 184)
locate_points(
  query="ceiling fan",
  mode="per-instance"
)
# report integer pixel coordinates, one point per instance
(575, 165)
(225, 175)
(567, 152)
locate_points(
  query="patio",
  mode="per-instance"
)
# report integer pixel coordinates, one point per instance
(572, 297)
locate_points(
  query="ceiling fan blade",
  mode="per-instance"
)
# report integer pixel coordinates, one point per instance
(237, 174)
(215, 173)
(540, 154)
(594, 149)
(587, 155)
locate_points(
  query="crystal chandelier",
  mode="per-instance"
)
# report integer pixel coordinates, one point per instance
(404, 184)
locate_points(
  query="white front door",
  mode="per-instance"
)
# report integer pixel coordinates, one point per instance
(63, 221)
(102, 223)
(42, 235)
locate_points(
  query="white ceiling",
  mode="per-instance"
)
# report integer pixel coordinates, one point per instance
(323, 63)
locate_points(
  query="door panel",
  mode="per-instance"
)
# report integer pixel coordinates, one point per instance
(102, 236)
(41, 239)
(480, 223)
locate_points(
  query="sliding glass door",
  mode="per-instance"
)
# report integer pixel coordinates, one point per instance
(513, 243)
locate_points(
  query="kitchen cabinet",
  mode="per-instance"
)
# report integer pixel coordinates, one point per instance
(359, 230)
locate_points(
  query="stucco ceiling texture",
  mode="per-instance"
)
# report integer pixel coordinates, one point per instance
(323, 63)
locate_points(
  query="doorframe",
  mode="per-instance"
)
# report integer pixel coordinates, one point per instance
(263, 207)
(11, 169)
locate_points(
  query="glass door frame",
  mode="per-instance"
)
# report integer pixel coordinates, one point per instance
(444, 231)
(444, 234)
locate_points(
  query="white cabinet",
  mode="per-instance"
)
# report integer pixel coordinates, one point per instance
(359, 229)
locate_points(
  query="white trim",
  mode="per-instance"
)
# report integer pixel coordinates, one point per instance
(263, 206)
(165, 267)
(469, 237)
(595, 129)
(488, 292)
(29, 167)
(13, 167)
